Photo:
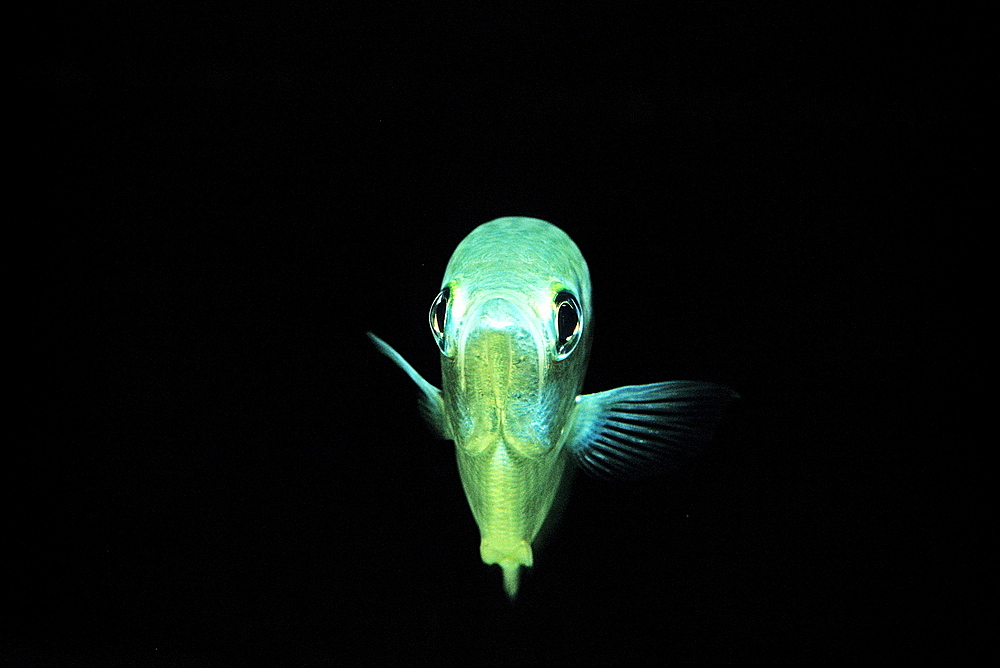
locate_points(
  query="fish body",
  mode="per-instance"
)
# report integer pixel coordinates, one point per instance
(513, 324)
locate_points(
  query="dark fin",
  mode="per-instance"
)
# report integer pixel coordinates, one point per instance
(431, 402)
(640, 430)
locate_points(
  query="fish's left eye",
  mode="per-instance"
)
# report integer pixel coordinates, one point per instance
(568, 322)
(437, 318)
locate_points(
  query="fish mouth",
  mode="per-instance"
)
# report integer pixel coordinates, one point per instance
(505, 341)
(500, 372)
(507, 330)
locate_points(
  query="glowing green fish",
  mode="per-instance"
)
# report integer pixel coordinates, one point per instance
(513, 322)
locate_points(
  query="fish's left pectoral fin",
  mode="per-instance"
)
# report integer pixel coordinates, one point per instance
(640, 430)
(431, 402)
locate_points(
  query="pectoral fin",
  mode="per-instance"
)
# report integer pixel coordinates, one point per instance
(431, 403)
(638, 430)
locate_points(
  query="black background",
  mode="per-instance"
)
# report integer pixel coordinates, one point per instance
(218, 468)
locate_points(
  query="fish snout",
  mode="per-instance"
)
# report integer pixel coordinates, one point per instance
(508, 337)
(500, 313)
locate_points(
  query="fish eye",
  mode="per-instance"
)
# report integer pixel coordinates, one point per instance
(568, 322)
(438, 317)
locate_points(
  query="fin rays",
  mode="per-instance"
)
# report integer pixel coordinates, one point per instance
(639, 430)
(431, 402)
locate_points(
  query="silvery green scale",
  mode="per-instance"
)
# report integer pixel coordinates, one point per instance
(513, 323)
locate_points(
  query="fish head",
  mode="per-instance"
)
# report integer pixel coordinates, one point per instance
(512, 361)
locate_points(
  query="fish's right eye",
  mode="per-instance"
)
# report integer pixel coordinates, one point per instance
(438, 317)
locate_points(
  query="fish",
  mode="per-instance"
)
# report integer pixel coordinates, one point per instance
(513, 322)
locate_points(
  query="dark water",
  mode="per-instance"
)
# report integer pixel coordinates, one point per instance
(216, 467)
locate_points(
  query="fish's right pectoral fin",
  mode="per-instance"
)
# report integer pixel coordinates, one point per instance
(431, 402)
